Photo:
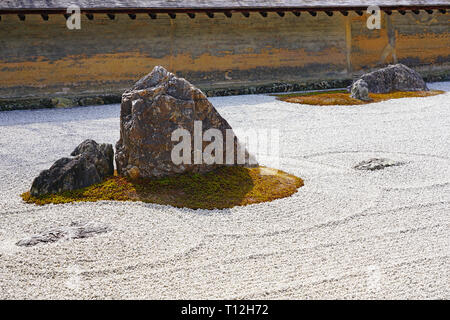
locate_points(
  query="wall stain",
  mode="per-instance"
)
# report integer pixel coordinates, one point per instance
(44, 58)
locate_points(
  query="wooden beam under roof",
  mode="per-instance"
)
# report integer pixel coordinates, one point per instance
(229, 11)
(211, 5)
(221, 9)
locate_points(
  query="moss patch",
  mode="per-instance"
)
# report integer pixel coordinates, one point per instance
(342, 98)
(225, 187)
(306, 94)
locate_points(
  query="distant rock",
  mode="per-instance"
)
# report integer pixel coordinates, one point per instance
(90, 164)
(74, 231)
(62, 103)
(376, 164)
(90, 101)
(360, 91)
(151, 111)
(396, 77)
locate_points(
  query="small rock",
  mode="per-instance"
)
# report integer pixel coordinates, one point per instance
(91, 101)
(74, 231)
(90, 164)
(376, 164)
(360, 91)
(62, 103)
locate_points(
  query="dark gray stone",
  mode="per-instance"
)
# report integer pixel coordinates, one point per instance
(394, 78)
(377, 164)
(90, 164)
(74, 231)
(360, 91)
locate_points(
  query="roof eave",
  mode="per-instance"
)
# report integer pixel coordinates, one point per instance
(219, 9)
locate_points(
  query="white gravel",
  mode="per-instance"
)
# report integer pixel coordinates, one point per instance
(346, 234)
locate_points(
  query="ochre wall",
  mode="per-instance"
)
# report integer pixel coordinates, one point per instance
(420, 41)
(42, 58)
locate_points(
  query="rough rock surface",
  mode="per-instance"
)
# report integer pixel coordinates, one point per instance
(90, 163)
(396, 77)
(377, 164)
(360, 90)
(74, 231)
(151, 111)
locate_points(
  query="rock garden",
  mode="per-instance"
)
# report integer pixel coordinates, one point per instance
(147, 157)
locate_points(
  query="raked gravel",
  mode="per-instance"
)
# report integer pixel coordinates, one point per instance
(345, 234)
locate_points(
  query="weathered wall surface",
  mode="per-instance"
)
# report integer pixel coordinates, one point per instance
(43, 58)
(420, 41)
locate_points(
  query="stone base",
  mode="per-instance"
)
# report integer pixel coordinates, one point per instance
(57, 102)
(71, 101)
(75, 101)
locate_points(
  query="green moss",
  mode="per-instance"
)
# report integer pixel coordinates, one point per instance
(328, 98)
(225, 187)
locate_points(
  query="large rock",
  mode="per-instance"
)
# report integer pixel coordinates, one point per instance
(394, 78)
(360, 90)
(151, 111)
(90, 164)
